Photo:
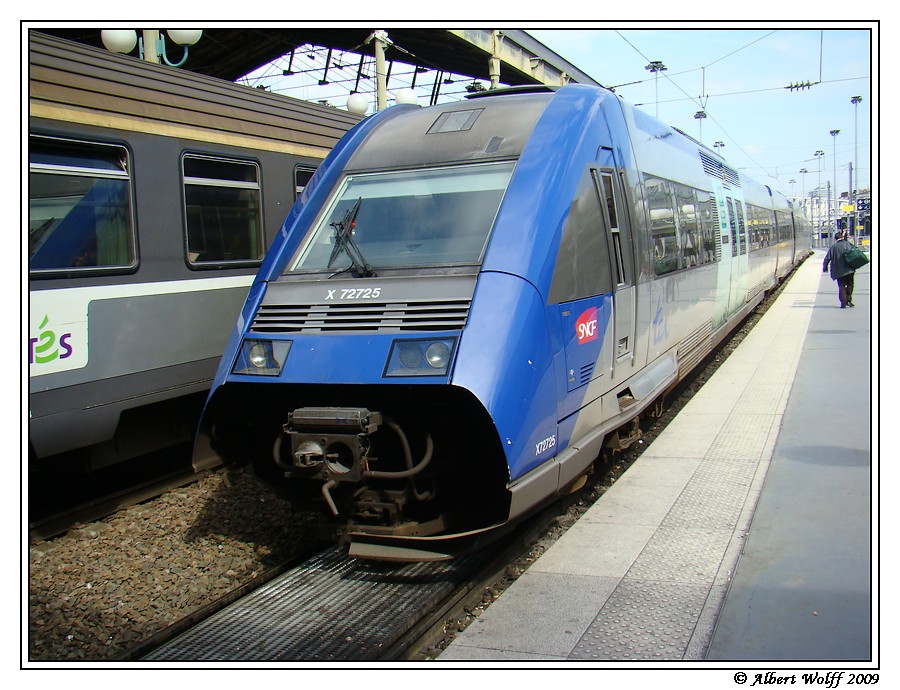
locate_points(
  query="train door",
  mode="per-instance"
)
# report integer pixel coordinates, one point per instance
(621, 264)
(795, 236)
(592, 293)
(733, 262)
(734, 238)
(740, 261)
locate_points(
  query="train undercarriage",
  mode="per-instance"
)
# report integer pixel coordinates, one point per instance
(403, 471)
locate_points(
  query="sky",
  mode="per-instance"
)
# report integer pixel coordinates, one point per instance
(736, 73)
(737, 76)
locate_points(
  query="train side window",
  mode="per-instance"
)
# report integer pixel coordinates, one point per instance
(302, 176)
(663, 232)
(80, 212)
(687, 212)
(708, 227)
(783, 226)
(767, 233)
(753, 227)
(733, 225)
(742, 238)
(223, 211)
(760, 227)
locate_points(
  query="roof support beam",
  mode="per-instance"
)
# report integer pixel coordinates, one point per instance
(518, 51)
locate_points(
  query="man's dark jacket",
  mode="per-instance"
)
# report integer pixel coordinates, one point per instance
(835, 257)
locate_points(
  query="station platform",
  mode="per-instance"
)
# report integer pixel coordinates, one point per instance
(743, 532)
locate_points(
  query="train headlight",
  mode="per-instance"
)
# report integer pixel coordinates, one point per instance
(410, 354)
(438, 356)
(261, 357)
(421, 357)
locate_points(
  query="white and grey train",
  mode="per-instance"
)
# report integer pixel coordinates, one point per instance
(153, 196)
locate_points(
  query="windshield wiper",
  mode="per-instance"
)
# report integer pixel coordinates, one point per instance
(343, 242)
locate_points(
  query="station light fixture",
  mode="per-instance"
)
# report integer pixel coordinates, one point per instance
(406, 97)
(655, 67)
(854, 192)
(124, 40)
(700, 116)
(357, 103)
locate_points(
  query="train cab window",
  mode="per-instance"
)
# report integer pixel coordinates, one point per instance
(407, 219)
(80, 212)
(608, 191)
(582, 264)
(223, 211)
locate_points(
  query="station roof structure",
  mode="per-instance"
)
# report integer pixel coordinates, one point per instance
(231, 53)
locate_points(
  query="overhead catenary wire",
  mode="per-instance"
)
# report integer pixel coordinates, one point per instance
(407, 68)
(700, 103)
(703, 100)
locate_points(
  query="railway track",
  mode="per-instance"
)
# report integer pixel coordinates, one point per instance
(59, 501)
(334, 608)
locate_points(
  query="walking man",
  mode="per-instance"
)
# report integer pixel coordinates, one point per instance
(840, 271)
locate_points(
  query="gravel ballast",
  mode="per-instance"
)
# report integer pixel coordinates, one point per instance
(103, 587)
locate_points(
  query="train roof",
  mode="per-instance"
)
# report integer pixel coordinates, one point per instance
(75, 83)
(484, 129)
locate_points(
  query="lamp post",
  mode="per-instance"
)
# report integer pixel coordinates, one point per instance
(792, 182)
(718, 145)
(803, 172)
(818, 155)
(152, 44)
(834, 134)
(656, 66)
(854, 193)
(381, 42)
(700, 116)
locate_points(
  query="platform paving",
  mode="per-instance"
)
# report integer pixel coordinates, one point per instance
(742, 532)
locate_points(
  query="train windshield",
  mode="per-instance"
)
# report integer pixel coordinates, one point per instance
(437, 217)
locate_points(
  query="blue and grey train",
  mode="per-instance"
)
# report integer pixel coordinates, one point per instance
(470, 300)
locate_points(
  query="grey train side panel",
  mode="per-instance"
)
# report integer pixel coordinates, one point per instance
(156, 333)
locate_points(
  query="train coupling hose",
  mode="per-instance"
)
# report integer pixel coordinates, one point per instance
(326, 492)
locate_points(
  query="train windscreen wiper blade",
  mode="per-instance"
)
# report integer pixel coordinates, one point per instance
(343, 242)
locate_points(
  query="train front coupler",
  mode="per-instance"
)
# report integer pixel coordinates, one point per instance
(332, 444)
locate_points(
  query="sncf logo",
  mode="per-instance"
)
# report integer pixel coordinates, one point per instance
(586, 326)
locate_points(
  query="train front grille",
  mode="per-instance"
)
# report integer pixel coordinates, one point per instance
(413, 315)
